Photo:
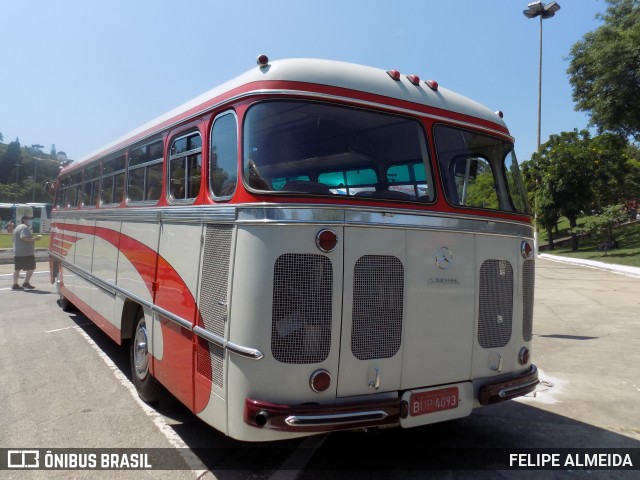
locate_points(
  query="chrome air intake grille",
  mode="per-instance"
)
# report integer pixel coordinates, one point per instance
(528, 281)
(378, 292)
(301, 315)
(496, 303)
(213, 291)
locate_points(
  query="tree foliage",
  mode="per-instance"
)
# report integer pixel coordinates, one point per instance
(573, 173)
(604, 68)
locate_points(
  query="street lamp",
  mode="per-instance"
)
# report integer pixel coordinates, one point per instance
(539, 9)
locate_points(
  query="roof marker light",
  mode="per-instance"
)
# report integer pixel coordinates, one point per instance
(500, 114)
(432, 84)
(415, 79)
(262, 60)
(395, 74)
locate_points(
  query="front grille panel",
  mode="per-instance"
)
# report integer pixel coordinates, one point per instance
(301, 314)
(213, 294)
(378, 293)
(496, 303)
(528, 281)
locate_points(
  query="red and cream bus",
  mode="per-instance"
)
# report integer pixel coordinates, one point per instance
(312, 246)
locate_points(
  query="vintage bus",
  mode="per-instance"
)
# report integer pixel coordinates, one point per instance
(312, 246)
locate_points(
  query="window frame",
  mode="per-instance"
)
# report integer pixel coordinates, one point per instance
(210, 161)
(187, 169)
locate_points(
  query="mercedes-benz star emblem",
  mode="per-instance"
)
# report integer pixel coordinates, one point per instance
(444, 258)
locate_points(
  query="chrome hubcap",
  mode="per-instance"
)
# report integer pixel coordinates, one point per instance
(140, 352)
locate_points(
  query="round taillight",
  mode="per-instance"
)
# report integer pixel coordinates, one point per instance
(326, 240)
(524, 356)
(526, 249)
(320, 380)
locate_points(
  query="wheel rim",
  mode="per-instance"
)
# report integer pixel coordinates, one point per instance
(141, 352)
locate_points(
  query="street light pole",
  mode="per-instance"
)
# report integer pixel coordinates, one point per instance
(539, 9)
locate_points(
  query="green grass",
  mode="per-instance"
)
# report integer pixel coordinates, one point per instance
(6, 241)
(628, 237)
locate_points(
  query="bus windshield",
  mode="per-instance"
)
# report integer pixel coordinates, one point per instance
(319, 149)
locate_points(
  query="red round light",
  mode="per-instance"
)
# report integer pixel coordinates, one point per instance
(320, 381)
(263, 60)
(526, 249)
(432, 84)
(415, 79)
(524, 356)
(326, 240)
(395, 74)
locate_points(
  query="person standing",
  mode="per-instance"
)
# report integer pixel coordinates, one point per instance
(24, 253)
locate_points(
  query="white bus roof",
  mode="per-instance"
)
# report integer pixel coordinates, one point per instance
(313, 71)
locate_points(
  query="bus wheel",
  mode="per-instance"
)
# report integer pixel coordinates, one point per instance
(63, 301)
(147, 386)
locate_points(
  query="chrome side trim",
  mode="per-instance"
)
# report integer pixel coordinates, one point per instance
(173, 214)
(114, 290)
(336, 419)
(81, 272)
(251, 353)
(391, 217)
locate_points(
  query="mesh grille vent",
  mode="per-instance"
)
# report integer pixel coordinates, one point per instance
(301, 315)
(378, 291)
(213, 293)
(528, 281)
(496, 303)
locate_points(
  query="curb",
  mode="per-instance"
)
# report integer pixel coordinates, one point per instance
(609, 267)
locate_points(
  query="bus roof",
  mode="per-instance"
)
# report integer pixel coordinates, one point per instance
(331, 73)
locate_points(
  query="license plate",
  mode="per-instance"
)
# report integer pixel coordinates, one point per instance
(433, 401)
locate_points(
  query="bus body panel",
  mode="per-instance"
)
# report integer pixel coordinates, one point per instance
(440, 301)
(371, 350)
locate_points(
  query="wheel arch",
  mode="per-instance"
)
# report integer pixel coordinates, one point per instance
(128, 319)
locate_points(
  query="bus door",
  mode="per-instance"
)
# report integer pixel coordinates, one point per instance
(373, 304)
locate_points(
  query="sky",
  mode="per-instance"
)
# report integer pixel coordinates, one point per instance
(79, 74)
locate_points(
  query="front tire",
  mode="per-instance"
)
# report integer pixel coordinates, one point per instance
(147, 386)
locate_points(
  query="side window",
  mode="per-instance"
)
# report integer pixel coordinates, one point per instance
(91, 186)
(185, 167)
(145, 173)
(75, 190)
(224, 156)
(61, 194)
(113, 180)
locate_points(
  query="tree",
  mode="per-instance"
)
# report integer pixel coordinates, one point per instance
(53, 150)
(604, 68)
(611, 217)
(12, 157)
